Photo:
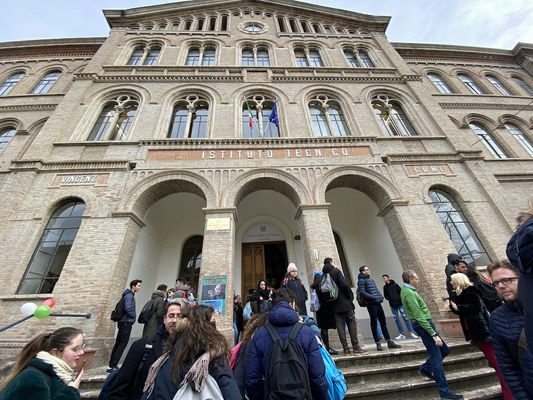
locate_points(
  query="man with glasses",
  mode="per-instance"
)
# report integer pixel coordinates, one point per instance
(129, 381)
(507, 326)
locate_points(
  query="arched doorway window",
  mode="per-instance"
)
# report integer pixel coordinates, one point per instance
(53, 249)
(191, 260)
(458, 228)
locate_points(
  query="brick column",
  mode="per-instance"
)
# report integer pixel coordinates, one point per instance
(218, 255)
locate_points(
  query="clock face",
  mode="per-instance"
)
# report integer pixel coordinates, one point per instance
(253, 28)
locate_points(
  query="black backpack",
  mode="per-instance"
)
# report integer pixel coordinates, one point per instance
(489, 295)
(119, 311)
(287, 377)
(146, 312)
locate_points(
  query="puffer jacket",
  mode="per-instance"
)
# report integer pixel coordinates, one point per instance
(283, 317)
(129, 307)
(156, 319)
(368, 289)
(473, 315)
(506, 324)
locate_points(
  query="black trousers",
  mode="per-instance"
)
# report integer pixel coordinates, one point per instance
(376, 313)
(123, 336)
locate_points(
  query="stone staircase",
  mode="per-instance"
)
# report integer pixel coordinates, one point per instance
(390, 374)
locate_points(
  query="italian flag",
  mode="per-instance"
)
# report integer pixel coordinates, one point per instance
(250, 114)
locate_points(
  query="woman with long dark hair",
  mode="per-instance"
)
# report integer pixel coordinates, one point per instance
(261, 300)
(197, 338)
(45, 368)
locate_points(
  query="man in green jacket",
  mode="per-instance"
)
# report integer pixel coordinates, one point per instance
(418, 312)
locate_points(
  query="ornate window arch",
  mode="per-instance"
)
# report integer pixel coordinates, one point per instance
(189, 118)
(201, 54)
(50, 255)
(488, 141)
(115, 119)
(6, 133)
(392, 117)
(470, 83)
(46, 82)
(307, 56)
(520, 137)
(459, 230)
(10, 83)
(255, 56)
(498, 85)
(439, 83)
(327, 118)
(145, 54)
(523, 84)
(260, 116)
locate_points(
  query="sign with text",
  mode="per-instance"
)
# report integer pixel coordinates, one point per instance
(431, 169)
(213, 292)
(79, 179)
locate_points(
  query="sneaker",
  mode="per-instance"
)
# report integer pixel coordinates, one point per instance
(333, 352)
(378, 347)
(425, 373)
(359, 350)
(452, 396)
(111, 369)
(392, 345)
(400, 336)
(413, 335)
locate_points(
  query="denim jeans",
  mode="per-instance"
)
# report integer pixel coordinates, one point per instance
(235, 333)
(408, 325)
(436, 354)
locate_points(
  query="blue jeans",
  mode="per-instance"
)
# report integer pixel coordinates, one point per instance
(235, 333)
(436, 354)
(408, 325)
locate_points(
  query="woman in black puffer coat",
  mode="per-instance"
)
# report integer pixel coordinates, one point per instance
(260, 300)
(325, 317)
(475, 322)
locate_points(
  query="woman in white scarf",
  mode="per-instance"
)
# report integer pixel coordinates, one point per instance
(45, 369)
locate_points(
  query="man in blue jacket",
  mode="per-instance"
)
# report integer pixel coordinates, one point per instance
(124, 324)
(370, 292)
(283, 317)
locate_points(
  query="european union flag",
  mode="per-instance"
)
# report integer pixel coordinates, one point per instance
(274, 116)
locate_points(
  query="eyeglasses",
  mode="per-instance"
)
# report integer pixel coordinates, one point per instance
(505, 281)
(78, 349)
(173, 316)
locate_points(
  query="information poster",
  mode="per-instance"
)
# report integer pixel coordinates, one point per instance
(213, 292)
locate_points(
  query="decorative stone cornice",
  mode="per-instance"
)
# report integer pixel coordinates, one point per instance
(514, 177)
(203, 143)
(39, 165)
(400, 158)
(28, 107)
(493, 106)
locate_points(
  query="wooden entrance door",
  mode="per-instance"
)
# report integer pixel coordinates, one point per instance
(253, 267)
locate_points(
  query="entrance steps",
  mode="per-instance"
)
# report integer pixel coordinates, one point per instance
(389, 374)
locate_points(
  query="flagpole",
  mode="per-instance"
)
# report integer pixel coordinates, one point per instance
(250, 116)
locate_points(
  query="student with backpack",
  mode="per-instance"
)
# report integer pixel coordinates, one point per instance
(284, 360)
(153, 311)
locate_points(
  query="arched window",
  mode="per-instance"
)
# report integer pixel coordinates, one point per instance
(470, 84)
(189, 118)
(255, 57)
(53, 249)
(441, 86)
(258, 117)
(520, 137)
(10, 83)
(488, 141)
(342, 259)
(145, 55)
(391, 117)
(201, 56)
(366, 62)
(115, 119)
(5, 136)
(520, 82)
(327, 118)
(351, 58)
(46, 82)
(498, 85)
(307, 57)
(459, 230)
(191, 260)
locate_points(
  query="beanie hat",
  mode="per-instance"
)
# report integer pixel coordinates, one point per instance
(292, 267)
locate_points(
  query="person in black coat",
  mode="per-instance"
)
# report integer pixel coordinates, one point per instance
(238, 320)
(475, 323)
(343, 308)
(325, 318)
(129, 382)
(261, 299)
(292, 282)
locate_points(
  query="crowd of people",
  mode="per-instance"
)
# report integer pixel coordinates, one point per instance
(279, 349)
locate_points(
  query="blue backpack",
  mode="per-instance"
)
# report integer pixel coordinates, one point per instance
(336, 384)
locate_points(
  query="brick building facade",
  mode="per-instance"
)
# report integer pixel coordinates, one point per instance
(133, 156)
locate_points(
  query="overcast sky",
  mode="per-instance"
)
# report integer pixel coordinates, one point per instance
(484, 23)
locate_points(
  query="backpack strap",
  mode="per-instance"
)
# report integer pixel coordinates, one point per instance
(147, 348)
(295, 329)
(273, 334)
